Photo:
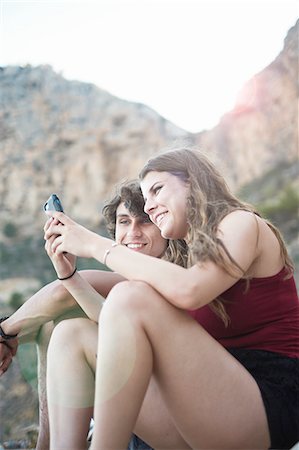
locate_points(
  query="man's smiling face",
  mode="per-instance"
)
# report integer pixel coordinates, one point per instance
(138, 233)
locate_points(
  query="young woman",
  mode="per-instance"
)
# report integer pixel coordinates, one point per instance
(205, 356)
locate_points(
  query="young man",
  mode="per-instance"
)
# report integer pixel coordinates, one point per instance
(126, 222)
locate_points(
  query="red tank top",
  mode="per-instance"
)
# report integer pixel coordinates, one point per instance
(263, 317)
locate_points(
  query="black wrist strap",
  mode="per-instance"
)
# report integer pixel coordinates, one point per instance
(4, 335)
(70, 276)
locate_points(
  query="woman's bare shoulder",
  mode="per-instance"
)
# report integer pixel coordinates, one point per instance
(239, 221)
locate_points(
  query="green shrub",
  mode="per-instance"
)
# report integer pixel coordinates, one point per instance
(27, 358)
(16, 300)
(284, 207)
(10, 230)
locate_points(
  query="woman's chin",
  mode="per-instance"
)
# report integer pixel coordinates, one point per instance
(165, 234)
(169, 234)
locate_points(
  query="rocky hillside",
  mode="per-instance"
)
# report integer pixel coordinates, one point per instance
(77, 140)
(261, 132)
(71, 138)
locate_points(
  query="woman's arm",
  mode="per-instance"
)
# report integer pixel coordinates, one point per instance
(185, 288)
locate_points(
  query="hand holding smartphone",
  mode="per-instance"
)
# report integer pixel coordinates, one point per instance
(53, 204)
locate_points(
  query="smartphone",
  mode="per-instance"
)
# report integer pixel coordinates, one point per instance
(53, 204)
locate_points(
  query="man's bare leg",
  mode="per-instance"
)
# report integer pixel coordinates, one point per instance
(71, 364)
(42, 343)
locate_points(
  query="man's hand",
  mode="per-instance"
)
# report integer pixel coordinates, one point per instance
(69, 236)
(63, 263)
(8, 349)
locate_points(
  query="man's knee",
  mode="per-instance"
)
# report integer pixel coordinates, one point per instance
(68, 331)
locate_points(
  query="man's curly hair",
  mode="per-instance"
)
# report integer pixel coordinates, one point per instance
(130, 194)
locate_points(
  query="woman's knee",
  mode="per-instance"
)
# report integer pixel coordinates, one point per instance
(144, 306)
(129, 295)
(134, 299)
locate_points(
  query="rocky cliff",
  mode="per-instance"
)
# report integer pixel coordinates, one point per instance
(71, 138)
(77, 140)
(262, 130)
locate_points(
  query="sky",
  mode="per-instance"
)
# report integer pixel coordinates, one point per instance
(187, 59)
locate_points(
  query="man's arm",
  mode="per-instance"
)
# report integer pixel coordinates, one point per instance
(52, 301)
(49, 302)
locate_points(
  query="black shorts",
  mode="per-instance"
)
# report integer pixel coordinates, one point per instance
(278, 379)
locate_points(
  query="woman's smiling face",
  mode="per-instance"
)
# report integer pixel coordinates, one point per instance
(166, 203)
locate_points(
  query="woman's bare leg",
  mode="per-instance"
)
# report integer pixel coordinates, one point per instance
(212, 400)
(70, 382)
(155, 425)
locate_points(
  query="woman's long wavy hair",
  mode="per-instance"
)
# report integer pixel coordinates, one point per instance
(209, 201)
(130, 194)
